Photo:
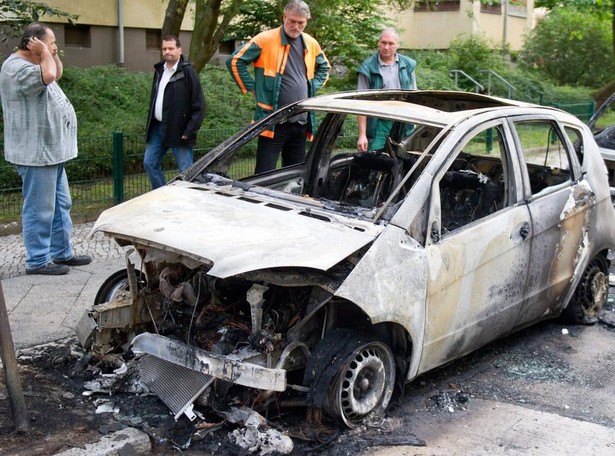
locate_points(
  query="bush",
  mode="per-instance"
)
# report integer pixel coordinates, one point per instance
(474, 54)
(571, 47)
(107, 99)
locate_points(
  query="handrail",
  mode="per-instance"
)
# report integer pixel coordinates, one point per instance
(478, 87)
(510, 87)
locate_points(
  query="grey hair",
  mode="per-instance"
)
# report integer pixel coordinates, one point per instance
(390, 30)
(299, 7)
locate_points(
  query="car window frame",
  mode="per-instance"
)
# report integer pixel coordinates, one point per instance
(575, 168)
(513, 171)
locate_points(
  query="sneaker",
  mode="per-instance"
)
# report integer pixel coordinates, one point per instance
(77, 260)
(50, 268)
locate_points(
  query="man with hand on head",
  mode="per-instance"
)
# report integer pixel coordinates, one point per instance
(40, 135)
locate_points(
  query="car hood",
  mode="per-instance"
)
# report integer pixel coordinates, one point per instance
(235, 233)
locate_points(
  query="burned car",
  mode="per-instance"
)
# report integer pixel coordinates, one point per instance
(332, 283)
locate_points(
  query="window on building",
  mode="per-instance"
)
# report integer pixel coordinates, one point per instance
(436, 5)
(77, 35)
(493, 8)
(153, 39)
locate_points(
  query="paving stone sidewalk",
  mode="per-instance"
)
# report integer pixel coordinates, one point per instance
(99, 247)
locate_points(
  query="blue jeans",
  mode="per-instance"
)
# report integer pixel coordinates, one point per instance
(46, 221)
(154, 154)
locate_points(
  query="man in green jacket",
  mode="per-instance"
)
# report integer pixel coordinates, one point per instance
(289, 65)
(386, 69)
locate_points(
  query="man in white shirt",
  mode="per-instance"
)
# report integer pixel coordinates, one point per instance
(177, 110)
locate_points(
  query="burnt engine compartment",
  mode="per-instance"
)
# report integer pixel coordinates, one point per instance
(187, 305)
(221, 315)
(240, 319)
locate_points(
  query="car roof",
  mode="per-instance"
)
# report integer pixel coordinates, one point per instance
(436, 108)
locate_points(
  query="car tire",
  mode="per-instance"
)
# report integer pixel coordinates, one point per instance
(351, 375)
(591, 293)
(115, 284)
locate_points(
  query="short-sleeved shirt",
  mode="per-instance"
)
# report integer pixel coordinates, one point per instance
(40, 124)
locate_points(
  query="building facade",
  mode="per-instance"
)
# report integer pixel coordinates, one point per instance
(433, 24)
(107, 32)
(127, 32)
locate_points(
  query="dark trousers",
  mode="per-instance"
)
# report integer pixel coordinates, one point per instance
(290, 139)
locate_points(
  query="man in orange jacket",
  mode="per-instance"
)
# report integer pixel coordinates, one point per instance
(289, 65)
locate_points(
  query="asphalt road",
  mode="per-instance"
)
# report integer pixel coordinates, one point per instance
(548, 390)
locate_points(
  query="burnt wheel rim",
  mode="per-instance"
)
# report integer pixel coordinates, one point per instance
(597, 287)
(365, 383)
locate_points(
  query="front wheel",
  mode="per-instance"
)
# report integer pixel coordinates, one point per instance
(115, 285)
(358, 372)
(591, 293)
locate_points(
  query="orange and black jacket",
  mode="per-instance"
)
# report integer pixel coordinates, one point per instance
(268, 52)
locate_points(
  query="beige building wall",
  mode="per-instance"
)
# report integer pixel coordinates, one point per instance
(103, 48)
(137, 13)
(143, 18)
(436, 29)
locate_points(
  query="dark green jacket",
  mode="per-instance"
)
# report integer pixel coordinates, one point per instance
(371, 69)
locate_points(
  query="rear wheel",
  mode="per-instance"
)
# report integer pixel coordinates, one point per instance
(591, 293)
(357, 370)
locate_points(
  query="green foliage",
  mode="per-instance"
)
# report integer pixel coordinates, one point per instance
(434, 79)
(107, 98)
(16, 14)
(226, 107)
(474, 54)
(532, 87)
(254, 17)
(348, 30)
(572, 47)
(602, 7)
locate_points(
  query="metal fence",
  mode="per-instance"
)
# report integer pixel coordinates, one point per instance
(109, 169)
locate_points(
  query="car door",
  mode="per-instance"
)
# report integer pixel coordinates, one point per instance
(477, 258)
(558, 199)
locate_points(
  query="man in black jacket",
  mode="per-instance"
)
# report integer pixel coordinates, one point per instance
(177, 110)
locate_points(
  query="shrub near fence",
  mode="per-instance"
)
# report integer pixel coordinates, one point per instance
(107, 171)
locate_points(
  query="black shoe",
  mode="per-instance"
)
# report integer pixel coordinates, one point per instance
(50, 268)
(77, 260)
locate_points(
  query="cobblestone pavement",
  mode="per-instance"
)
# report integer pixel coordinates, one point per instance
(99, 247)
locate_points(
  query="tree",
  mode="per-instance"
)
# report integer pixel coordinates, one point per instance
(173, 17)
(16, 14)
(571, 47)
(603, 8)
(346, 29)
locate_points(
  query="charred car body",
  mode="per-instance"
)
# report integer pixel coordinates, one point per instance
(605, 138)
(334, 282)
